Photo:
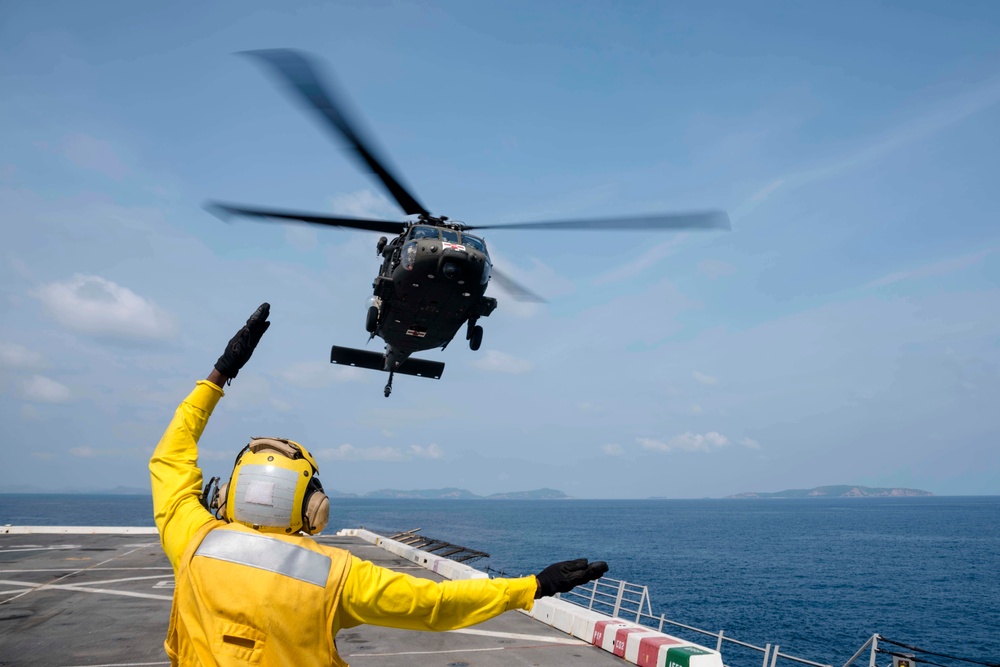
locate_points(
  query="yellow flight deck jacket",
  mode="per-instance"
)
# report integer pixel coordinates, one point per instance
(249, 598)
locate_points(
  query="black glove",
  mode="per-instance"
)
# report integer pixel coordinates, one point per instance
(243, 343)
(563, 577)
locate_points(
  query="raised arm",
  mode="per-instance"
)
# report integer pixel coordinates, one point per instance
(174, 472)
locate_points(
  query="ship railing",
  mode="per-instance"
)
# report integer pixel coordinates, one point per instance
(621, 599)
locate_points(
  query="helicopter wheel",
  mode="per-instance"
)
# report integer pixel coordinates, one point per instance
(371, 321)
(476, 337)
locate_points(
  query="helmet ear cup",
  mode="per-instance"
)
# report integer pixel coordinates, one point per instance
(315, 508)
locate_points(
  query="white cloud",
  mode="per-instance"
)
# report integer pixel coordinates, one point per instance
(94, 305)
(500, 362)
(83, 452)
(44, 390)
(15, 356)
(613, 449)
(750, 443)
(431, 451)
(704, 378)
(365, 204)
(95, 155)
(347, 452)
(687, 442)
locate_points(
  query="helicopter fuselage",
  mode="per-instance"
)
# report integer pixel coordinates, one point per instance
(432, 281)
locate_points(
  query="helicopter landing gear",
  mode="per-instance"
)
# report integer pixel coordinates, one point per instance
(388, 387)
(475, 337)
(371, 321)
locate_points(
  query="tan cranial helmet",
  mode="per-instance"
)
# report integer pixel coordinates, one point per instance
(275, 488)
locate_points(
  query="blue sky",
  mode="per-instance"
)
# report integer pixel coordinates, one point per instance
(847, 330)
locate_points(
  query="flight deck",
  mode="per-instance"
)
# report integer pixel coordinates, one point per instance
(72, 597)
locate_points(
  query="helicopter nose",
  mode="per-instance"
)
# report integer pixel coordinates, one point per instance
(451, 270)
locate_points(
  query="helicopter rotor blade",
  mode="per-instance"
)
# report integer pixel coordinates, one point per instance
(297, 71)
(512, 287)
(225, 211)
(695, 220)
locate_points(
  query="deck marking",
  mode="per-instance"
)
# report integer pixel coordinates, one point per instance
(33, 547)
(124, 664)
(93, 569)
(28, 587)
(572, 641)
(35, 587)
(460, 650)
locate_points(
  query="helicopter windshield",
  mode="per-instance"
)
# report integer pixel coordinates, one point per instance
(476, 243)
(423, 233)
(449, 236)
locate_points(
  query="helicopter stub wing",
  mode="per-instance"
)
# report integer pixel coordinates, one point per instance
(349, 356)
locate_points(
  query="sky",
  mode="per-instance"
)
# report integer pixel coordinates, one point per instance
(846, 331)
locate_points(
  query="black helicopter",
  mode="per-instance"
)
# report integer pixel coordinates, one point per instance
(434, 272)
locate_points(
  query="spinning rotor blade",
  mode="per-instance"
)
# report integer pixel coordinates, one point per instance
(224, 211)
(296, 70)
(515, 289)
(698, 220)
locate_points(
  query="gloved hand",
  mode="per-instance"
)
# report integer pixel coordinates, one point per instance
(563, 577)
(241, 346)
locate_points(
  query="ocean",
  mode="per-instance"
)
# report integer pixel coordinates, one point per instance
(817, 576)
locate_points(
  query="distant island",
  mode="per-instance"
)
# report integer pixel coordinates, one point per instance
(837, 491)
(460, 494)
(419, 494)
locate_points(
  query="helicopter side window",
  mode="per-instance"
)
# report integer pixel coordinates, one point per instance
(423, 233)
(450, 236)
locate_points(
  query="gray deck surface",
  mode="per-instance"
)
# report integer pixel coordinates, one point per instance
(90, 600)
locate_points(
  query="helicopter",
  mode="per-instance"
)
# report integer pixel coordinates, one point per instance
(434, 271)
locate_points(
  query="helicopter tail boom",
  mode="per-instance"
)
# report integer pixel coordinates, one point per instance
(349, 356)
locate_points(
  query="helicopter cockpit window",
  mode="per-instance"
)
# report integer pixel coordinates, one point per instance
(449, 235)
(476, 243)
(423, 233)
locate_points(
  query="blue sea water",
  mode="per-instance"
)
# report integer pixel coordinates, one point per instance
(817, 576)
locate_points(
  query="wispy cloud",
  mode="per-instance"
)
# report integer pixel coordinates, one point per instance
(613, 449)
(501, 362)
(348, 452)
(687, 442)
(714, 268)
(644, 261)
(94, 154)
(13, 355)
(45, 390)
(319, 374)
(934, 269)
(93, 305)
(365, 204)
(944, 114)
(704, 378)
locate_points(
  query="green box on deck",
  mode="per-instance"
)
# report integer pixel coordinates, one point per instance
(681, 656)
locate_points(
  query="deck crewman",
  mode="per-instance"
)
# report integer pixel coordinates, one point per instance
(252, 586)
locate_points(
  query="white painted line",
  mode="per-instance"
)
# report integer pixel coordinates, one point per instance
(33, 547)
(571, 641)
(123, 664)
(78, 530)
(383, 655)
(91, 569)
(28, 587)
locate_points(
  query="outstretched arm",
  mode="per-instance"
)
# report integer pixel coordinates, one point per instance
(379, 596)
